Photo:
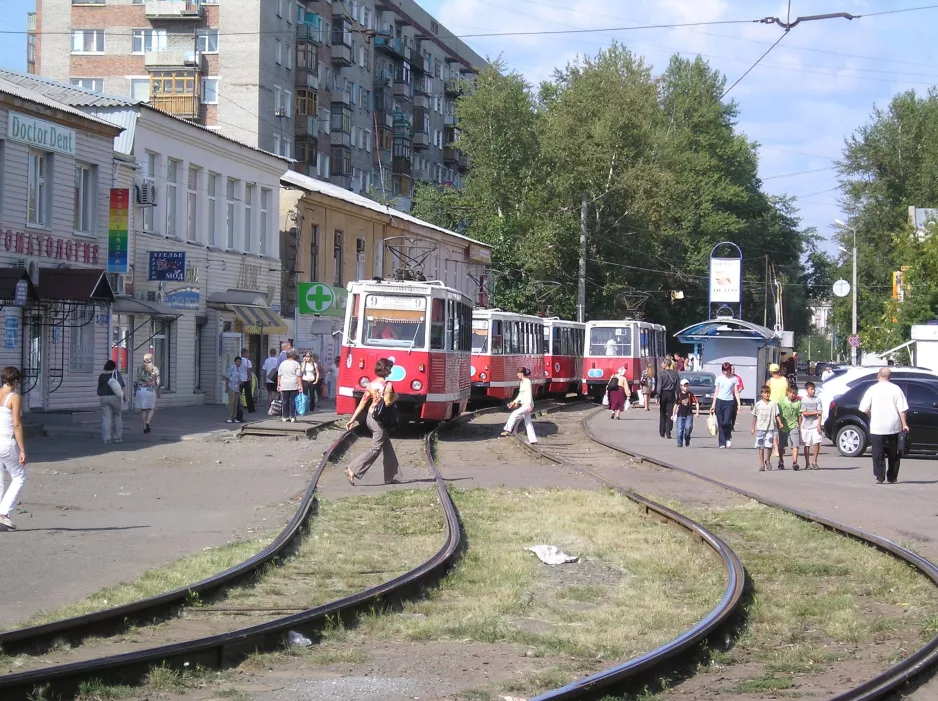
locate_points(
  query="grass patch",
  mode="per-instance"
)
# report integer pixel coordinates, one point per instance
(763, 684)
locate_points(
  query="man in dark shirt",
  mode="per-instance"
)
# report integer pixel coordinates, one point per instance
(667, 393)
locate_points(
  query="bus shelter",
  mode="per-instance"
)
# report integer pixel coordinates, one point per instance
(749, 347)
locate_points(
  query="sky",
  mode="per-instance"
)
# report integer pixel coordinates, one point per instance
(803, 99)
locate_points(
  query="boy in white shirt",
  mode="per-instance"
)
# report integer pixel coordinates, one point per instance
(765, 424)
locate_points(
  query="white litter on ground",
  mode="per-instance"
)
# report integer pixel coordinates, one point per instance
(552, 555)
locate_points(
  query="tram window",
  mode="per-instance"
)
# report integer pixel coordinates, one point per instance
(395, 321)
(436, 325)
(449, 325)
(547, 338)
(497, 338)
(351, 331)
(480, 336)
(465, 325)
(610, 341)
(513, 345)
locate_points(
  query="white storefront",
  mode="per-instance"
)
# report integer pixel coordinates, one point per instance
(56, 170)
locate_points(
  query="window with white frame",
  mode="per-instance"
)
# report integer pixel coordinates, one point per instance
(368, 140)
(276, 144)
(279, 8)
(149, 177)
(278, 100)
(248, 216)
(359, 258)
(81, 357)
(88, 41)
(288, 102)
(287, 148)
(172, 180)
(231, 191)
(140, 89)
(209, 91)
(288, 57)
(212, 190)
(265, 218)
(206, 41)
(300, 13)
(84, 199)
(278, 52)
(39, 192)
(192, 204)
(148, 40)
(92, 84)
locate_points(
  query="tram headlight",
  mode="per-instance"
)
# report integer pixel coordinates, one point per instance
(483, 376)
(363, 382)
(416, 385)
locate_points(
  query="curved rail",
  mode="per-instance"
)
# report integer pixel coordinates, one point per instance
(883, 683)
(229, 648)
(717, 618)
(106, 621)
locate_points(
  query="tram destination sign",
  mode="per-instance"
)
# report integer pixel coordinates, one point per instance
(395, 302)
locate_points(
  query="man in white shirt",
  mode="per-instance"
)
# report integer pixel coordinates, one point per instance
(271, 364)
(246, 368)
(886, 406)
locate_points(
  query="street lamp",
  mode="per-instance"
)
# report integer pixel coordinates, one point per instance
(853, 349)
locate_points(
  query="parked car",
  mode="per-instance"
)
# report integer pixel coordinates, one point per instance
(821, 365)
(849, 429)
(701, 386)
(847, 376)
(803, 367)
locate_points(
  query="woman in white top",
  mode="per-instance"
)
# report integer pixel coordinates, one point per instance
(309, 371)
(523, 405)
(289, 383)
(12, 447)
(378, 388)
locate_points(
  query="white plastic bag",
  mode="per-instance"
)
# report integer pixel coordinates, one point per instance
(606, 399)
(712, 424)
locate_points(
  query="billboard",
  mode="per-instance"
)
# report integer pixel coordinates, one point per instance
(725, 280)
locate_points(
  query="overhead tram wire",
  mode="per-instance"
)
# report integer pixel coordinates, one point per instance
(758, 60)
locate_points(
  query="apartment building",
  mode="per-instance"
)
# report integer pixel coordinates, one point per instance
(358, 93)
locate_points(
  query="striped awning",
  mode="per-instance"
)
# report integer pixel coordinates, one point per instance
(259, 320)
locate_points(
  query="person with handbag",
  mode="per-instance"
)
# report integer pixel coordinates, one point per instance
(886, 405)
(378, 401)
(523, 405)
(309, 369)
(616, 391)
(12, 445)
(112, 393)
(289, 383)
(148, 390)
(270, 375)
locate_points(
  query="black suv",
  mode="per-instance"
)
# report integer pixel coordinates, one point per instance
(849, 429)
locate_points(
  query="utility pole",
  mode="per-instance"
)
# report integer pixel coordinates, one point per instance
(581, 288)
(765, 294)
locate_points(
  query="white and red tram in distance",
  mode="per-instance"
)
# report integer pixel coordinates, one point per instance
(563, 355)
(425, 328)
(501, 343)
(615, 344)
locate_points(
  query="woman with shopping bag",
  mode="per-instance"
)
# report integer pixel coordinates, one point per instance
(523, 405)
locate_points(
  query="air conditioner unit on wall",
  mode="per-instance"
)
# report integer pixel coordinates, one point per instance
(146, 194)
(360, 257)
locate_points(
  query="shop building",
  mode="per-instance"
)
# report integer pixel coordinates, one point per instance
(202, 275)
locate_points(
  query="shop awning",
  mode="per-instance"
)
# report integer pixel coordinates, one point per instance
(9, 277)
(139, 307)
(259, 320)
(82, 285)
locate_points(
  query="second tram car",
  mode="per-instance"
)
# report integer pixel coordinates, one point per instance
(563, 355)
(501, 343)
(628, 344)
(425, 328)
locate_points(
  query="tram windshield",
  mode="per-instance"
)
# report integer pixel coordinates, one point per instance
(395, 321)
(610, 340)
(480, 336)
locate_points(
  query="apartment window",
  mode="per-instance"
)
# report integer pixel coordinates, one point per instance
(212, 189)
(300, 13)
(288, 102)
(84, 199)
(149, 40)
(92, 84)
(306, 102)
(366, 102)
(276, 144)
(192, 204)
(82, 341)
(209, 91)
(278, 52)
(359, 259)
(88, 41)
(265, 219)
(231, 191)
(279, 8)
(337, 258)
(39, 200)
(368, 140)
(140, 89)
(313, 253)
(248, 215)
(379, 259)
(206, 41)
(149, 177)
(278, 100)
(288, 57)
(287, 148)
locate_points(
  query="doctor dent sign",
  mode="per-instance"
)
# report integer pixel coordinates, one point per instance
(39, 133)
(725, 280)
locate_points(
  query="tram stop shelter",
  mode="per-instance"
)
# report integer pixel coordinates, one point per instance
(751, 348)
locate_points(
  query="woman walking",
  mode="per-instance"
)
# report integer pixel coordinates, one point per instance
(309, 370)
(647, 384)
(148, 390)
(289, 383)
(378, 389)
(726, 395)
(616, 390)
(12, 446)
(523, 405)
(111, 395)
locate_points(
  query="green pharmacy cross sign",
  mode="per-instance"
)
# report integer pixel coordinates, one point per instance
(316, 298)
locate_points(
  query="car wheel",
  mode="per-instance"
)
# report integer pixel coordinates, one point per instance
(851, 441)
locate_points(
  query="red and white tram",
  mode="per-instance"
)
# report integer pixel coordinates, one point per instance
(628, 344)
(563, 355)
(425, 328)
(501, 343)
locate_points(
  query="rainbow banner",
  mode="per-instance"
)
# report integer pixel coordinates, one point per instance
(117, 235)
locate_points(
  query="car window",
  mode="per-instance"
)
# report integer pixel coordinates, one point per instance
(855, 395)
(919, 395)
(698, 379)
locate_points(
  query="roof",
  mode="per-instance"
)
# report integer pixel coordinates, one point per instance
(74, 285)
(11, 88)
(726, 328)
(304, 182)
(9, 277)
(71, 95)
(130, 305)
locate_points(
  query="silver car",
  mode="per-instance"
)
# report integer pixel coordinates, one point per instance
(701, 386)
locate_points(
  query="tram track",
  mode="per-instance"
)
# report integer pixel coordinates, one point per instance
(664, 658)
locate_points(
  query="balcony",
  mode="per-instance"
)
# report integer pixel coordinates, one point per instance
(30, 21)
(453, 87)
(340, 138)
(306, 150)
(175, 58)
(306, 125)
(340, 99)
(450, 120)
(421, 102)
(421, 140)
(391, 46)
(451, 155)
(383, 158)
(340, 10)
(401, 166)
(405, 91)
(342, 180)
(341, 54)
(306, 78)
(421, 64)
(173, 9)
(185, 106)
(307, 31)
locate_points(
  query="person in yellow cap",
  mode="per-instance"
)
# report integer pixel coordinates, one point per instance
(777, 384)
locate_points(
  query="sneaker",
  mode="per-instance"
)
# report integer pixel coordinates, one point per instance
(230, 421)
(879, 481)
(118, 440)
(795, 467)
(108, 441)
(292, 421)
(283, 421)
(504, 434)
(761, 468)
(814, 466)
(722, 447)
(781, 466)
(892, 481)
(532, 443)
(5, 521)
(729, 444)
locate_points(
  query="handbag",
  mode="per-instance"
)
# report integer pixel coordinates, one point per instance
(276, 408)
(115, 385)
(301, 403)
(712, 425)
(606, 399)
(905, 442)
(272, 376)
(384, 413)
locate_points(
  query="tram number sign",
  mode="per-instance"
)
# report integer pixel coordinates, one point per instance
(314, 297)
(853, 341)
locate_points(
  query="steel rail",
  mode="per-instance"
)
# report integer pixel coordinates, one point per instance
(229, 648)
(888, 680)
(39, 637)
(719, 617)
